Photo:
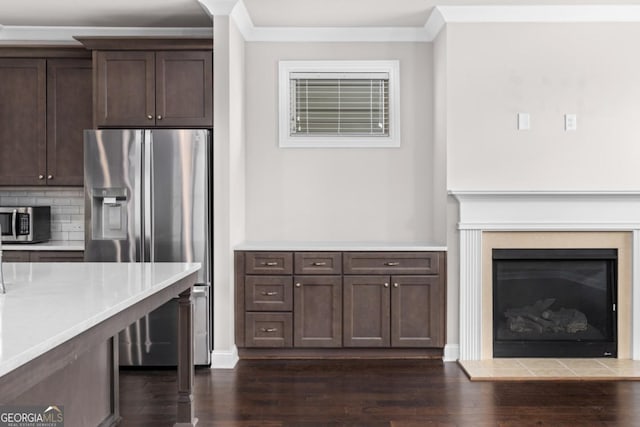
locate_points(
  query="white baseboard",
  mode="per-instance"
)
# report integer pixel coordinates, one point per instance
(451, 353)
(224, 359)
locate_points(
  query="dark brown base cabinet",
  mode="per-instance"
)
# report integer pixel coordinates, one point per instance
(42, 256)
(332, 300)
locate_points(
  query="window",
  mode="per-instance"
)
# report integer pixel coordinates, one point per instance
(339, 104)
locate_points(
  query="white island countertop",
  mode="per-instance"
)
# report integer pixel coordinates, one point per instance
(47, 304)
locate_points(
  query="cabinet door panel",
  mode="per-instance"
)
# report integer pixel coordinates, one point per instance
(125, 86)
(184, 89)
(317, 311)
(15, 256)
(57, 256)
(22, 121)
(416, 307)
(69, 102)
(366, 311)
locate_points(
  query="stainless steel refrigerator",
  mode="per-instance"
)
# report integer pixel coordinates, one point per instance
(147, 200)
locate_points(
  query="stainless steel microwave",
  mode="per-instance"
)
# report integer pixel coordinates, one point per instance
(25, 224)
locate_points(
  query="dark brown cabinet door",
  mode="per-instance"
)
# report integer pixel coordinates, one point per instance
(15, 256)
(57, 256)
(366, 311)
(69, 104)
(125, 89)
(184, 89)
(22, 121)
(416, 307)
(317, 311)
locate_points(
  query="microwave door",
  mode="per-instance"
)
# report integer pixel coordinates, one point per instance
(8, 221)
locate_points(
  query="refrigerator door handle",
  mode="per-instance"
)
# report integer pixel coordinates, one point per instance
(148, 196)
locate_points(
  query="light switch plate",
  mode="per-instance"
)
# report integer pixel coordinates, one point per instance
(524, 121)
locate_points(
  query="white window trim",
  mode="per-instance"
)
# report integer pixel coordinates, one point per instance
(287, 141)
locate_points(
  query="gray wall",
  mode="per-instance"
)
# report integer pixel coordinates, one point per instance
(339, 194)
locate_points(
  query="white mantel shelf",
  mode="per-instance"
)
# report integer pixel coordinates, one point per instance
(339, 246)
(548, 210)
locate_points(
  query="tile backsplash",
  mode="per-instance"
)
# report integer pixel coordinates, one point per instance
(67, 207)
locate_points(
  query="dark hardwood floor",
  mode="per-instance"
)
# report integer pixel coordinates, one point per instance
(373, 393)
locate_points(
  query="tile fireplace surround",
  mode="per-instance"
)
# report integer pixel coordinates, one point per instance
(490, 219)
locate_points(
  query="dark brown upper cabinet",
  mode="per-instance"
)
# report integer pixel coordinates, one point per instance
(46, 104)
(170, 88)
(69, 101)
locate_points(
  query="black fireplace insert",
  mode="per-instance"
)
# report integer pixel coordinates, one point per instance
(555, 302)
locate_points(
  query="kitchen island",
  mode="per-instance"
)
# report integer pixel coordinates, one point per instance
(57, 323)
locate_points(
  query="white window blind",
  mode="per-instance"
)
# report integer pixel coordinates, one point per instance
(339, 104)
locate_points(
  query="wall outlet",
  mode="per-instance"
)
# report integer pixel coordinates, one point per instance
(570, 122)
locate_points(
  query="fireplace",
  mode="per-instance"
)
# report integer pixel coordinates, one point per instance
(554, 302)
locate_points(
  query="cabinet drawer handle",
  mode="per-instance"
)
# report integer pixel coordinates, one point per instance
(149, 117)
(319, 264)
(392, 263)
(269, 294)
(386, 285)
(269, 329)
(395, 285)
(270, 263)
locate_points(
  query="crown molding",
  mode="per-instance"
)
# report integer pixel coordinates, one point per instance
(439, 17)
(218, 7)
(27, 35)
(540, 14)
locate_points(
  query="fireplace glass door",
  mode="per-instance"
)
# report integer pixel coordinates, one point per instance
(554, 302)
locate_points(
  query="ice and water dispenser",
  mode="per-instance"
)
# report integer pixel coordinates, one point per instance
(109, 213)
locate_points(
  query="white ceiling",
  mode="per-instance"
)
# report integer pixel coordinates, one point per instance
(189, 13)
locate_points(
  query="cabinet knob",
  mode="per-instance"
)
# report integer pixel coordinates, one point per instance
(395, 285)
(159, 117)
(40, 176)
(49, 176)
(150, 117)
(386, 285)
(298, 285)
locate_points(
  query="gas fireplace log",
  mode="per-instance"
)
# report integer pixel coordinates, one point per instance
(540, 318)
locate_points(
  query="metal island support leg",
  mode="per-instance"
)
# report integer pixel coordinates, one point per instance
(185, 414)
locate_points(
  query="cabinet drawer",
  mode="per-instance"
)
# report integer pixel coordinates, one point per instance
(268, 263)
(268, 293)
(318, 263)
(390, 262)
(268, 330)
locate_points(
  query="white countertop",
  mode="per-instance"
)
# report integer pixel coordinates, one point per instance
(339, 246)
(49, 303)
(51, 245)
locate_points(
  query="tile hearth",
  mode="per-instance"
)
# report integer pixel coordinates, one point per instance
(533, 369)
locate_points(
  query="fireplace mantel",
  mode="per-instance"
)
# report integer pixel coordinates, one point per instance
(537, 211)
